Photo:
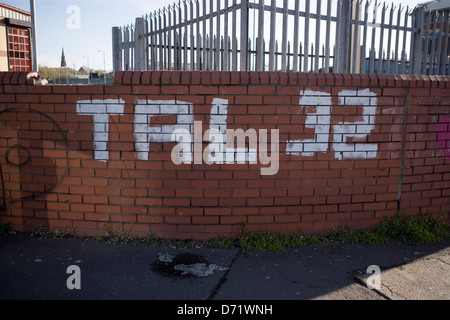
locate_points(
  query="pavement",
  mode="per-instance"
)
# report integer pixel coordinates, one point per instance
(42, 269)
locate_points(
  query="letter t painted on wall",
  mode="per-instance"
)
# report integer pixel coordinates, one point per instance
(100, 110)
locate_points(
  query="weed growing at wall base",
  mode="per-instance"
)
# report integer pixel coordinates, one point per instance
(421, 230)
(48, 233)
(424, 230)
(5, 228)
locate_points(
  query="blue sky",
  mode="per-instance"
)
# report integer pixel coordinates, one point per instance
(96, 18)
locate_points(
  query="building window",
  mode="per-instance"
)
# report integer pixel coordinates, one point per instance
(19, 49)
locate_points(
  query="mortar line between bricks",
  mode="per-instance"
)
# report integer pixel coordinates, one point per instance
(222, 280)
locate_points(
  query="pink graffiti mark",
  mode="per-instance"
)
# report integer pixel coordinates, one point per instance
(443, 135)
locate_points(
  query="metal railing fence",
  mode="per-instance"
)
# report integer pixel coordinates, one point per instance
(346, 36)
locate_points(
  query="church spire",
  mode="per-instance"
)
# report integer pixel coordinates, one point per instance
(63, 59)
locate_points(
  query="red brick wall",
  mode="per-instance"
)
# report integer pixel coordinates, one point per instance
(98, 157)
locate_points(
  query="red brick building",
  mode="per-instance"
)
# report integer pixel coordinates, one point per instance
(15, 39)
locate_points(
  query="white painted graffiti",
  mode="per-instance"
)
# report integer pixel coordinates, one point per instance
(229, 146)
(222, 140)
(100, 110)
(145, 133)
(342, 132)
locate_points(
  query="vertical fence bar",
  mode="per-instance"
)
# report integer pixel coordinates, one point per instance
(198, 37)
(234, 37)
(140, 45)
(163, 39)
(185, 37)
(264, 50)
(132, 48)
(169, 38)
(362, 67)
(276, 55)
(273, 19)
(425, 47)
(244, 35)
(204, 51)
(180, 37)
(323, 58)
(225, 36)
(154, 23)
(153, 41)
(388, 56)
(337, 66)
(156, 39)
(327, 38)
(289, 56)
(342, 61)
(160, 45)
(217, 53)
(249, 53)
(418, 26)
(211, 35)
(439, 45)
(221, 54)
(165, 48)
(433, 42)
(179, 42)
(356, 39)
(123, 45)
(405, 25)
(307, 18)
(126, 55)
(284, 37)
(317, 41)
(296, 35)
(192, 35)
(117, 50)
(300, 60)
(148, 40)
(208, 49)
(151, 45)
(260, 41)
(173, 32)
(214, 50)
(374, 30)
(444, 70)
(397, 39)
(380, 50)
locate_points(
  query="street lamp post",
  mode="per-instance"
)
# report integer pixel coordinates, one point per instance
(35, 63)
(104, 66)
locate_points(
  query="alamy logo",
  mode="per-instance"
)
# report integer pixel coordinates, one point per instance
(74, 19)
(74, 281)
(374, 281)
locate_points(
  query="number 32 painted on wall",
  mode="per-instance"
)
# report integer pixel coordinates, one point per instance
(320, 121)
